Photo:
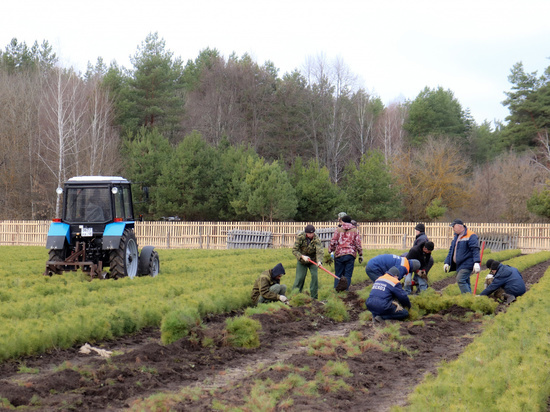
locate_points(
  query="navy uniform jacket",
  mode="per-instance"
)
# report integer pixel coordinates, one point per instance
(467, 251)
(507, 278)
(386, 289)
(382, 263)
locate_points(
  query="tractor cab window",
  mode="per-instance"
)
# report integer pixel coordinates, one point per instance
(123, 203)
(90, 204)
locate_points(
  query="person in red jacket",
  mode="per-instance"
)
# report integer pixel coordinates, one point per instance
(346, 245)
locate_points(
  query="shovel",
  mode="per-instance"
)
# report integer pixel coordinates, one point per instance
(342, 281)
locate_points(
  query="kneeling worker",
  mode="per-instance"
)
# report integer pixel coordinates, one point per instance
(267, 287)
(387, 296)
(503, 281)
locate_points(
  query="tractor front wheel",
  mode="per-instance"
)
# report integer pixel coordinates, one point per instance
(124, 261)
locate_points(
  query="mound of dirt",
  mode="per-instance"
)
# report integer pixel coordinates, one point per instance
(69, 380)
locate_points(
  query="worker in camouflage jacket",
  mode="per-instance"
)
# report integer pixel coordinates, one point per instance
(346, 245)
(307, 247)
(268, 288)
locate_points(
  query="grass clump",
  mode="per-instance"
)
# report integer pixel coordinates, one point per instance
(178, 323)
(335, 309)
(242, 332)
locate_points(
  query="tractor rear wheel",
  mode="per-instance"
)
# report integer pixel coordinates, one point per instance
(124, 261)
(154, 264)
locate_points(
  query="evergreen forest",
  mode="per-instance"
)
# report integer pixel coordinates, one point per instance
(229, 139)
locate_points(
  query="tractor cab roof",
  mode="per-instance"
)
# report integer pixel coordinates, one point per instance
(97, 179)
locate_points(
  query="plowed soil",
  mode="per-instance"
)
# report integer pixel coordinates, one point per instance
(69, 380)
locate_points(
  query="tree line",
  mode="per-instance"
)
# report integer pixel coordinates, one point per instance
(220, 138)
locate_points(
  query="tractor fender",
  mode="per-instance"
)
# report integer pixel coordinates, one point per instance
(57, 234)
(144, 257)
(113, 233)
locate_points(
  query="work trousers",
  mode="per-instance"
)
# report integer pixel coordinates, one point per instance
(463, 280)
(276, 288)
(344, 267)
(301, 272)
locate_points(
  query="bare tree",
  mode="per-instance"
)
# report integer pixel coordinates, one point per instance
(18, 120)
(435, 171)
(365, 113)
(390, 134)
(501, 189)
(330, 113)
(75, 133)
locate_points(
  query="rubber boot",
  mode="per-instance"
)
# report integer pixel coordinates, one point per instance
(508, 298)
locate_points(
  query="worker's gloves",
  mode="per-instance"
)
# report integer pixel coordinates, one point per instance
(319, 263)
(476, 268)
(488, 280)
(398, 307)
(283, 298)
(446, 267)
(422, 273)
(305, 258)
(360, 259)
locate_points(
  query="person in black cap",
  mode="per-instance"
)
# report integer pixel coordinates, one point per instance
(307, 247)
(503, 282)
(422, 253)
(421, 236)
(387, 299)
(463, 255)
(268, 287)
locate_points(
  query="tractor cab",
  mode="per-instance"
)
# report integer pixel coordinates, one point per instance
(96, 230)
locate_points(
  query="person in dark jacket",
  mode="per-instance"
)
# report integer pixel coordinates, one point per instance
(421, 236)
(423, 253)
(463, 255)
(379, 265)
(268, 288)
(345, 245)
(505, 282)
(387, 299)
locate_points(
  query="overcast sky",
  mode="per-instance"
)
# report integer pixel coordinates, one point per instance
(395, 47)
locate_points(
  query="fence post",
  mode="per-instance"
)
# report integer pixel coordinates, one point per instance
(405, 241)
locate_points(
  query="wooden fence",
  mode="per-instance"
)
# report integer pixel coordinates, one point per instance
(213, 235)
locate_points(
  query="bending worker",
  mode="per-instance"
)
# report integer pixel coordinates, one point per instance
(503, 281)
(268, 288)
(387, 299)
(379, 265)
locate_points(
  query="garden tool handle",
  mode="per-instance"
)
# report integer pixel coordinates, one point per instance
(322, 268)
(480, 259)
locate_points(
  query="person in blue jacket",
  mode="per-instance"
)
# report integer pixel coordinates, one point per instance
(463, 255)
(379, 265)
(504, 282)
(386, 298)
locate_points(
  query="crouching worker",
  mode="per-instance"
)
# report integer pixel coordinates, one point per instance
(387, 299)
(503, 281)
(267, 288)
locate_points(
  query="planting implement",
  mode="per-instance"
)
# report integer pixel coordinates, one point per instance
(480, 259)
(342, 281)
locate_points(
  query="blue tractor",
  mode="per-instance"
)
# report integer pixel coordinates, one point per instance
(96, 231)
